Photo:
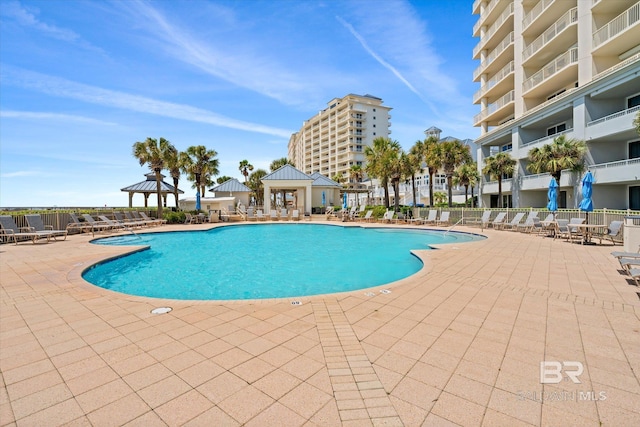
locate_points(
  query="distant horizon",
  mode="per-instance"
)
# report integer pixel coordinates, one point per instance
(83, 81)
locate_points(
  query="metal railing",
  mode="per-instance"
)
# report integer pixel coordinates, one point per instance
(495, 79)
(615, 164)
(549, 70)
(569, 18)
(492, 108)
(533, 14)
(547, 138)
(502, 46)
(617, 25)
(492, 30)
(614, 115)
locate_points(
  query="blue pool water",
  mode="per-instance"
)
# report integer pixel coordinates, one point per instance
(264, 261)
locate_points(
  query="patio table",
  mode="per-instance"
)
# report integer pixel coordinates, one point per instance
(588, 229)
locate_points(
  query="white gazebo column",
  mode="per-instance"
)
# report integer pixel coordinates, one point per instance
(267, 198)
(308, 201)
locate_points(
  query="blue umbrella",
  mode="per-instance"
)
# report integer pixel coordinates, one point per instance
(586, 204)
(552, 195)
(197, 200)
(344, 201)
(324, 200)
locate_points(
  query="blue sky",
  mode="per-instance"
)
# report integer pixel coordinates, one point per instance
(82, 81)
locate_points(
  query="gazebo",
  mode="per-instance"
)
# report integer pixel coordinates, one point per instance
(148, 187)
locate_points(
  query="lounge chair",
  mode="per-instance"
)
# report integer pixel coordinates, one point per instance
(36, 224)
(135, 216)
(388, 216)
(514, 222)
(127, 220)
(260, 215)
(561, 228)
(401, 217)
(444, 218)
(251, 214)
(307, 216)
(77, 225)
(431, 218)
(189, 219)
(97, 225)
(527, 226)
(157, 221)
(626, 254)
(635, 275)
(573, 232)
(498, 221)
(115, 225)
(614, 230)
(10, 230)
(483, 220)
(284, 214)
(367, 216)
(295, 215)
(629, 263)
(273, 215)
(330, 213)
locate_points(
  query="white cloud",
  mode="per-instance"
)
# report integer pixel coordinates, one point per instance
(22, 174)
(68, 89)
(32, 115)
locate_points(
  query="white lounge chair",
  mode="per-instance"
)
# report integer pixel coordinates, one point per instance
(388, 216)
(97, 225)
(498, 221)
(483, 220)
(295, 215)
(514, 222)
(444, 218)
(614, 230)
(528, 223)
(251, 214)
(431, 218)
(77, 225)
(273, 215)
(156, 221)
(284, 214)
(635, 275)
(367, 216)
(260, 215)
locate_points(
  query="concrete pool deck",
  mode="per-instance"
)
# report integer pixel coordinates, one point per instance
(459, 343)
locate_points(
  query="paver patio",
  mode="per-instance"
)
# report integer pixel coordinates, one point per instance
(459, 343)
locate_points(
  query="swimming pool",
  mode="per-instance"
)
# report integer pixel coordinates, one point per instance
(257, 261)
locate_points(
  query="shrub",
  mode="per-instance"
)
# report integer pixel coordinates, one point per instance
(174, 217)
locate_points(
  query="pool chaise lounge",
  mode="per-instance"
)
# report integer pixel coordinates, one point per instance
(514, 222)
(10, 230)
(156, 221)
(36, 224)
(444, 218)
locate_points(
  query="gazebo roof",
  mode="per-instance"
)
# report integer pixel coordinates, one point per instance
(287, 173)
(322, 181)
(150, 186)
(231, 186)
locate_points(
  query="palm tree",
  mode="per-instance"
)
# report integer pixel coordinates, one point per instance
(222, 179)
(278, 163)
(416, 153)
(201, 164)
(433, 161)
(153, 153)
(356, 174)
(339, 178)
(173, 165)
(453, 153)
(467, 175)
(256, 186)
(245, 167)
(636, 122)
(378, 155)
(497, 166)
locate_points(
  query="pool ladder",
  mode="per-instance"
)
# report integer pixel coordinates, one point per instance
(451, 228)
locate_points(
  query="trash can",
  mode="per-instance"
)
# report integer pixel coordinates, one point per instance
(631, 233)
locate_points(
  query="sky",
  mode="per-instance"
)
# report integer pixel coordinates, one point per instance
(82, 81)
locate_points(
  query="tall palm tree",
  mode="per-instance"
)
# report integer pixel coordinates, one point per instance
(256, 186)
(414, 163)
(222, 179)
(400, 167)
(278, 163)
(467, 175)
(453, 153)
(245, 167)
(356, 173)
(173, 165)
(378, 155)
(636, 122)
(433, 161)
(201, 164)
(497, 166)
(153, 153)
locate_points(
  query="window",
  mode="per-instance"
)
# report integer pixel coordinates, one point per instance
(634, 198)
(506, 147)
(358, 148)
(556, 129)
(374, 110)
(374, 134)
(634, 149)
(633, 101)
(374, 125)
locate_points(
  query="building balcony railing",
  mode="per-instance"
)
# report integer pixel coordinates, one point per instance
(535, 12)
(492, 30)
(495, 79)
(504, 44)
(569, 18)
(631, 110)
(548, 138)
(553, 67)
(541, 180)
(492, 108)
(617, 25)
(487, 10)
(491, 187)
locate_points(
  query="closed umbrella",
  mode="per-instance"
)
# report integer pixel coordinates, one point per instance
(586, 205)
(344, 200)
(197, 200)
(552, 195)
(324, 200)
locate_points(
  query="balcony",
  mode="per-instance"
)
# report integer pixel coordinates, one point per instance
(493, 30)
(616, 172)
(496, 110)
(618, 29)
(497, 82)
(563, 71)
(484, 15)
(495, 54)
(537, 143)
(491, 187)
(620, 121)
(557, 34)
(543, 14)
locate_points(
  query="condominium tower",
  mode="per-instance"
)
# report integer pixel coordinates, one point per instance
(559, 67)
(334, 139)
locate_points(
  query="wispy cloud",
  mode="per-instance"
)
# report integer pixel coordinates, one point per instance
(32, 115)
(27, 17)
(21, 174)
(68, 89)
(231, 59)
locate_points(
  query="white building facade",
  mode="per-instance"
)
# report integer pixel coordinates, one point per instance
(554, 67)
(333, 140)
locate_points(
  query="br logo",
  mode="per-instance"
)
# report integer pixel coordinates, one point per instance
(551, 372)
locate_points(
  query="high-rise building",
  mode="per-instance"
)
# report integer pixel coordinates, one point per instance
(334, 139)
(560, 67)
